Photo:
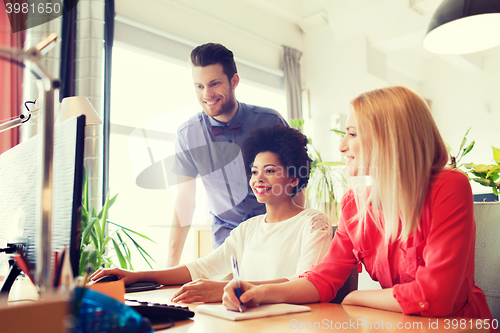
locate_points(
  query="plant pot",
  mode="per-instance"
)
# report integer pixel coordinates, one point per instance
(486, 197)
(487, 256)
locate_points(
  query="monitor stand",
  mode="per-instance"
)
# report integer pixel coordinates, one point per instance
(14, 270)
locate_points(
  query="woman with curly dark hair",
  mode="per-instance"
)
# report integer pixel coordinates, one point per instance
(282, 143)
(271, 248)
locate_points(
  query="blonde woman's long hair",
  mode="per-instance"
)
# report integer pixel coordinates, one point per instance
(403, 149)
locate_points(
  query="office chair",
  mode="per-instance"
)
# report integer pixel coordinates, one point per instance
(349, 285)
(487, 257)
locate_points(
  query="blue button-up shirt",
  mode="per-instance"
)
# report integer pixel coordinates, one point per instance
(219, 162)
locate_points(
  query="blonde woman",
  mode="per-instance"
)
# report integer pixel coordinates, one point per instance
(413, 229)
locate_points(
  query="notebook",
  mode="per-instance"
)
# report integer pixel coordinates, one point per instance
(260, 311)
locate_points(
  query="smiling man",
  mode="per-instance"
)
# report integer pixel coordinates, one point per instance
(208, 145)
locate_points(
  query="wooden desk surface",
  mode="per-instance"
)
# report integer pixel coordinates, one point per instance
(323, 317)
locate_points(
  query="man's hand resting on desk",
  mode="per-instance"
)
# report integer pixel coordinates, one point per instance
(200, 290)
(128, 277)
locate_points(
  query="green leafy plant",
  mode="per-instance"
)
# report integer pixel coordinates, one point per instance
(487, 175)
(462, 151)
(95, 250)
(323, 181)
(339, 132)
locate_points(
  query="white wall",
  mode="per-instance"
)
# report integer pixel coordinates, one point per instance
(463, 99)
(335, 72)
(252, 34)
(463, 90)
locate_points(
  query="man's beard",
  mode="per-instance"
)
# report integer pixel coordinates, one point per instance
(225, 108)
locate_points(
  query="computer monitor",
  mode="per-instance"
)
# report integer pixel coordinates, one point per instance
(20, 192)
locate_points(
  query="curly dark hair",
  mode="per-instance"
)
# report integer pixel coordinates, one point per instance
(211, 54)
(288, 143)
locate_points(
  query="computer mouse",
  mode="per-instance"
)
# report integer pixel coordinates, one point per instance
(107, 278)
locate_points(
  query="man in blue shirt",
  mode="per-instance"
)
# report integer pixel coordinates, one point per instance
(208, 145)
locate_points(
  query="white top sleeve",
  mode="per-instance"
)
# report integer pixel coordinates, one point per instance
(268, 251)
(316, 239)
(216, 264)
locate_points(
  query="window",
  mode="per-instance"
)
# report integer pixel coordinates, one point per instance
(154, 94)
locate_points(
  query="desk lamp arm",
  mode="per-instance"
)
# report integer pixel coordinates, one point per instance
(19, 120)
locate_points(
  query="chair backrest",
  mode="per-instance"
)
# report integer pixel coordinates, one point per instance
(487, 259)
(350, 284)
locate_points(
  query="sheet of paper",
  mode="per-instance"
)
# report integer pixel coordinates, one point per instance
(260, 311)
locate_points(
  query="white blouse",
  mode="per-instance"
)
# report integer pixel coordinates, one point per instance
(268, 251)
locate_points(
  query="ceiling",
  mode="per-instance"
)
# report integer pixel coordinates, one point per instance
(395, 27)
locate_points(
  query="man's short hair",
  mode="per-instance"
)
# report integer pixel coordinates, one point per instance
(211, 54)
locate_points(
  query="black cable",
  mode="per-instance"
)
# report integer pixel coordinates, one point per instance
(27, 108)
(29, 102)
(11, 248)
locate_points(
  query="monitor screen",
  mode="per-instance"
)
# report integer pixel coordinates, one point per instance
(20, 192)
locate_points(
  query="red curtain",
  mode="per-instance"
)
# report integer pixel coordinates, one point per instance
(11, 80)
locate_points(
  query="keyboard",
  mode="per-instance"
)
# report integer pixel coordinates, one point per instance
(157, 312)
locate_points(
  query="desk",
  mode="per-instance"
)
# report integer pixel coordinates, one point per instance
(26, 313)
(323, 317)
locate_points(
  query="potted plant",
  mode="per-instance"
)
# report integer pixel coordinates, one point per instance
(486, 175)
(95, 249)
(325, 184)
(455, 159)
(487, 217)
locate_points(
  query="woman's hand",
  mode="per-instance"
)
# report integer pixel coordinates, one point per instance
(251, 295)
(128, 277)
(200, 290)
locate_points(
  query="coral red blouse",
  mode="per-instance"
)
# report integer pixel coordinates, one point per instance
(432, 273)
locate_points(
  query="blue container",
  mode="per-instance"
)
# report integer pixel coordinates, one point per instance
(96, 312)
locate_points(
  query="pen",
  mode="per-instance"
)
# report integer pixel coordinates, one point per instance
(24, 265)
(236, 276)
